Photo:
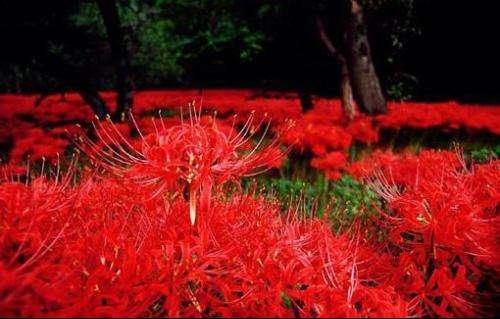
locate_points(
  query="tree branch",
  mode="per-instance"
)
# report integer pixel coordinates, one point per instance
(327, 42)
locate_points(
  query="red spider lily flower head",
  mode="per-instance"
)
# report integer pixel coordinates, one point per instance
(447, 234)
(193, 155)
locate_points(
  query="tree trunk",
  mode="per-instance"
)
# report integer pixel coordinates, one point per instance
(364, 80)
(305, 100)
(121, 58)
(346, 98)
(92, 98)
(80, 79)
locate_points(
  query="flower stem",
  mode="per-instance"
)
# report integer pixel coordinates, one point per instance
(192, 205)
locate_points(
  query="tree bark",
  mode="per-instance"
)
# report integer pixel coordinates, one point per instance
(305, 100)
(346, 97)
(366, 87)
(121, 58)
(92, 98)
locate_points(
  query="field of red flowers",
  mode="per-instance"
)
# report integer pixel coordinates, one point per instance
(150, 218)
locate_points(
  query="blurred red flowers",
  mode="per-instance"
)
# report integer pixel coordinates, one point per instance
(312, 131)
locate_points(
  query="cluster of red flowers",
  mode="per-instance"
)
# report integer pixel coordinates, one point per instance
(323, 130)
(105, 246)
(196, 155)
(104, 249)
(443, 227)
(450, 115)
(115, 239)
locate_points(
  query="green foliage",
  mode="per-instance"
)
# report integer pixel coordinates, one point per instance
(13, 76)
(285, 299)
(353, 197)
(353, 200)
(483, 154)
(397, 21)
(402, 86)
(181, 41)
(167, 36)
(290, 189)
(344, 200)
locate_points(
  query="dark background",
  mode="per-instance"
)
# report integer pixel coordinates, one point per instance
(455, 56)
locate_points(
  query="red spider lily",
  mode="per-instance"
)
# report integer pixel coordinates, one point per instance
(191, 155)
(34, 218)
(110, 245)
(332, 163)
(363, 130)
(444, 234)
(125, 254)
(451, 114)
(104, 247)
(314, 131)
